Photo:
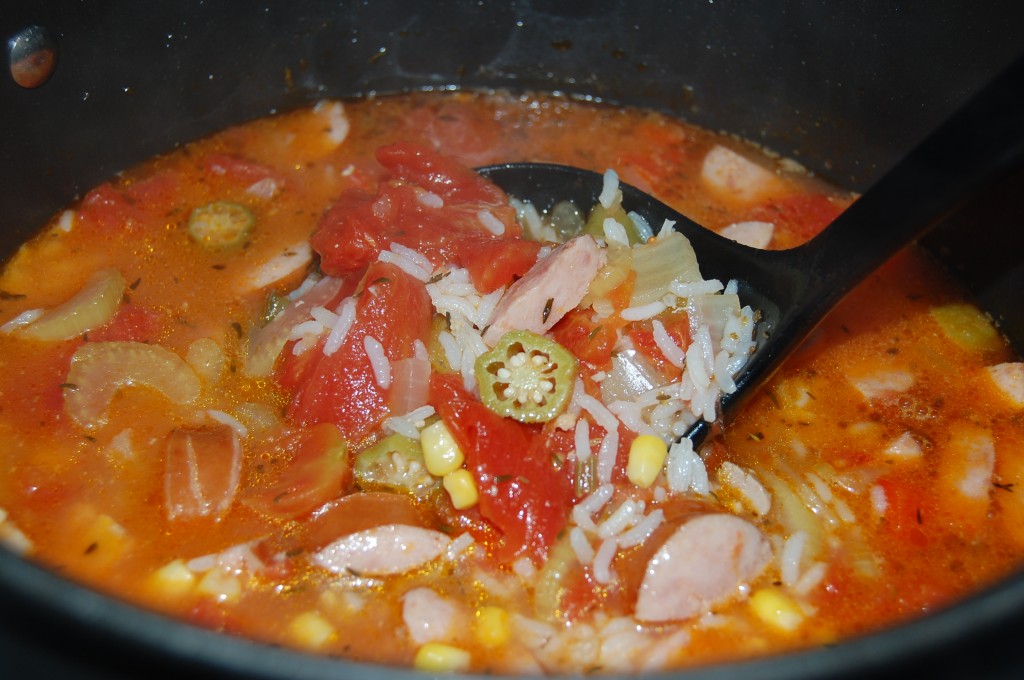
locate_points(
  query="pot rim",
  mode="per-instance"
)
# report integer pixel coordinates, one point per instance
(118, 622)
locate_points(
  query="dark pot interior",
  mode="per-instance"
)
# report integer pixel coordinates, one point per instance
(846, 89)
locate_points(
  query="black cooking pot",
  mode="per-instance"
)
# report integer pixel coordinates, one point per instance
(846, 88)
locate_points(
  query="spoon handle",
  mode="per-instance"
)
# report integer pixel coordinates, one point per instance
(980, 145)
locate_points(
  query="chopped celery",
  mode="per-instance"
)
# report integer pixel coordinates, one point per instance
(90, 308)
(100, 369)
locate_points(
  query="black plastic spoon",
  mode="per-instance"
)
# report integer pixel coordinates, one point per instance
(979, 146)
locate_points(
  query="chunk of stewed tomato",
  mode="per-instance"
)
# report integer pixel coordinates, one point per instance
(341, 388)
(525, 486)
(434, 205)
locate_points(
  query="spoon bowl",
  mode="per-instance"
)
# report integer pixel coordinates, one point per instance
(981, 145)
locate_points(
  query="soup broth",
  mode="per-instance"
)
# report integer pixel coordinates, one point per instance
(220, 401)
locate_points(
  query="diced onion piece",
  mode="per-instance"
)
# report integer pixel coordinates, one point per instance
(658, 263)
(266, 343)
(632, 374)
(753, 234)
(289, 262)
(410, 384)
(207, 358)
(90, 308)
(100, 369)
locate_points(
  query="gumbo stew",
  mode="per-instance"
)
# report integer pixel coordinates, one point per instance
(313, 381)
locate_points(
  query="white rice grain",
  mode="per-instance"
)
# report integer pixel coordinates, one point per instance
(685, 470)
(695, 367)
(325, 317)
(67, 220)
(414, 256)
(614, 232)
(879, 501)
(673, 352)
(491, 223)
(688, 289)
(790, 557)
(451, 347)
(594, 407)
(429, 199)
(651, 309)
(606, 456)
(603, 560)
(346, 317)
(609, 188)
(378, 361)
(458, 546)
(624, 517)
(593, 503)
(265, 188)
(408, 266)
(581, 545)
(814, 575)
(306, 328)
(643, 530)
(409, 424)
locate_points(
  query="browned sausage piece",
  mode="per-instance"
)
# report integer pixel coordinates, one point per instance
(551, 288)
(702, 564)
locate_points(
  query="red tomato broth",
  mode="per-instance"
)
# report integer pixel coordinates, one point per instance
(95, 510)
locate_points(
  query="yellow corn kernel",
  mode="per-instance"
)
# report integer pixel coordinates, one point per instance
(311, 630)
(439, 658)
(776, 609)
(646, 458)
(174, 579)
(492, 626)
(441, 453)
(461, 486)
